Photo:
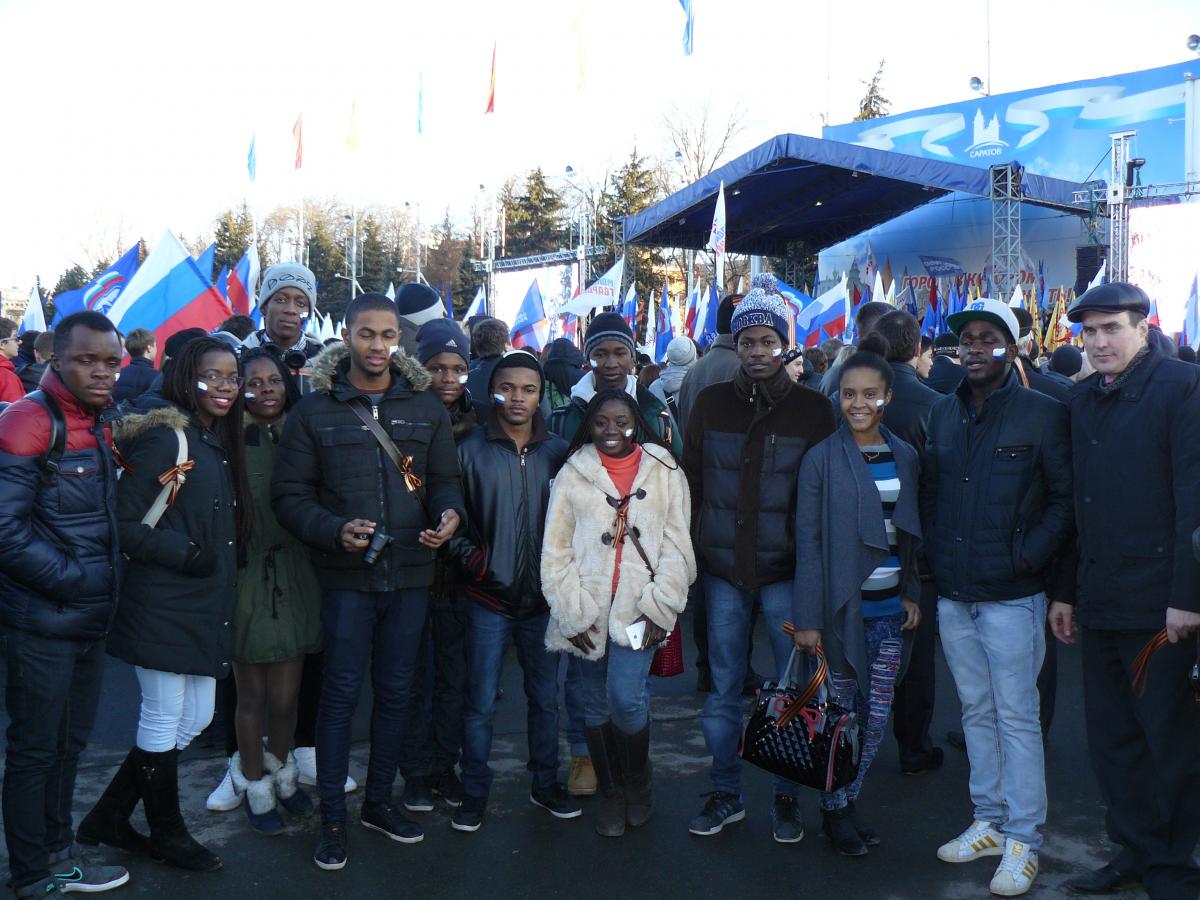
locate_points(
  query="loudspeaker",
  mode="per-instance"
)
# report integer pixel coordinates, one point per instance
(1088, 260)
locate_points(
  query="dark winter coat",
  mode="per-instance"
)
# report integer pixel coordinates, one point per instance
(446, 579)
(59, 565)
(718, 364)
(136, 378)
(945, 375)
(330, 469)
(31, 375)
(995, 493)
(1043, 383)
(167, 620)
(478, 379)
(908, 413)
(565, 420)
(506, 494)
(742, 456)
(1137, 495)
(841, 538)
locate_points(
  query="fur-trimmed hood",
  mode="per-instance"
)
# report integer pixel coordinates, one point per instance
(166, 416)
(326, 365)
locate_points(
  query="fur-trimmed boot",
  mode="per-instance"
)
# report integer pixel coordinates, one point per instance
(260, 797)
(287, 784)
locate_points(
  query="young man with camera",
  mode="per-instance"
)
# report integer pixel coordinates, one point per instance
(287, 298)
(367, 476)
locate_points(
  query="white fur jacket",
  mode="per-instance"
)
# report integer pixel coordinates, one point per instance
(577, 565)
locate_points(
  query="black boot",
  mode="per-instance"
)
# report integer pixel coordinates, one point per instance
(839, 828)
(610, 817)
(868, 834)
(635, 767)
(158, 775)
(108, 822)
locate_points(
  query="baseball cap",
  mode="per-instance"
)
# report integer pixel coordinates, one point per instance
(987, 310)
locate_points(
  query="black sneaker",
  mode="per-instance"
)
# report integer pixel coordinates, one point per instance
(75, 873)
(386, 819)
(556, 801)
(449, 787)
(786, 823)
(932, 760)
(417, 796)
(331, 848)
(469, 815)
(719, 810)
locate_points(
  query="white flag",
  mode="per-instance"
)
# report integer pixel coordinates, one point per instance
(1100, 273)
(878, 295)
(35, 317)
(604, 292)
(390, 293)
(1017, 300)
(716, 238)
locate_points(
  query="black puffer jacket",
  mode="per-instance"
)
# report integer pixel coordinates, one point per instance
(330, 469)
(742, 455)
(507, 494)
(995, 493)
(908, 413)
(167, 620)
(59, 566)
(945, 375)
(1137, 494)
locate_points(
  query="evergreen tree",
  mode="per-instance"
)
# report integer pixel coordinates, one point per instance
(873, 105)
(534, 222)
(327, 258)
(233, 232)
(376, 261)
(631, 189)
(72, 279)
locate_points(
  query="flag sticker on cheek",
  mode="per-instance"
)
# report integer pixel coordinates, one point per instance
(999, 353)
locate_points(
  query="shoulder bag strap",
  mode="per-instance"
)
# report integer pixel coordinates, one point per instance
(171, 480)
(402, 462)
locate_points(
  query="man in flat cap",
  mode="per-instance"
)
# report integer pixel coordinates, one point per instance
(1135, 428)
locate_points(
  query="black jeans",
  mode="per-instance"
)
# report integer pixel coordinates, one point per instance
(1144, 754)
(52, 693)
(433, 742)
(912, 708)
(385, 629)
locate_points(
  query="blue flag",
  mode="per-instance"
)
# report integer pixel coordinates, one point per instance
(664, 329)
(251, 159)
(101, 292)
(690, 12)
(708, 328)
(205, 262)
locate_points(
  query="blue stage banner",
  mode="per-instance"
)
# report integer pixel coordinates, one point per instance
(1061, 130)
(942, 266)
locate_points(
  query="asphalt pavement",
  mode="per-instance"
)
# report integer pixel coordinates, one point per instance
(521, 851)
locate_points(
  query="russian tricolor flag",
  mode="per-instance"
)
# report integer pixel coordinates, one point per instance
(240, 287)
(167, 294)
(823, 317)
(530, 330)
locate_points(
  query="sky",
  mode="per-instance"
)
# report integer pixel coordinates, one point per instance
(126, 118)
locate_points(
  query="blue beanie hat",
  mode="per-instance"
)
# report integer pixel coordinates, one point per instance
(441, 336)
(764, 306)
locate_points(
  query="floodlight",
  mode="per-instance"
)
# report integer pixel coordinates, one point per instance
(1193, 43)
(976, 84)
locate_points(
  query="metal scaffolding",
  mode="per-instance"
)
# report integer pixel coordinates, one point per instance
(1006, 228)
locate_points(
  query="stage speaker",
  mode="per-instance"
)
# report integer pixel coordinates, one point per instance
(1088, 260)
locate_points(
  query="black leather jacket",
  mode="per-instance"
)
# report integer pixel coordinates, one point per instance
(506, 494)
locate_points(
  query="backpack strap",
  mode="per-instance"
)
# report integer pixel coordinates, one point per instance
(171, 480)
(58, 435)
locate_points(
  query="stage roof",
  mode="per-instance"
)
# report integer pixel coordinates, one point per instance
(819, 192)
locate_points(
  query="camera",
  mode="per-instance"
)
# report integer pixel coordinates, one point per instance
(379, 541)
(294, 359)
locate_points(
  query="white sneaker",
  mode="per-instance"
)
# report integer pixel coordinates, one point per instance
(306, 762)
(981, 839)
(226, 796)
(1017, 871)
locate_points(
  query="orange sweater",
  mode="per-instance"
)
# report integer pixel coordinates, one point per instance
(622, 470)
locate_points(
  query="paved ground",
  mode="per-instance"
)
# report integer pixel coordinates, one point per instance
(522, 852)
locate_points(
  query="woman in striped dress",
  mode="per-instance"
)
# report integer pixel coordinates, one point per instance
(857, 528)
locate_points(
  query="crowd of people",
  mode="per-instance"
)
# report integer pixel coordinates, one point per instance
(263, 521)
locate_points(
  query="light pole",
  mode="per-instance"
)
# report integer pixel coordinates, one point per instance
(487, 243)
(586, 225)
(417, 208)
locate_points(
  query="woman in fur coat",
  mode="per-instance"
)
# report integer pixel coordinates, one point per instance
(617, 553)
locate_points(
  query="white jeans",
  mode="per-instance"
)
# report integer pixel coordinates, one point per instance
(175, 708)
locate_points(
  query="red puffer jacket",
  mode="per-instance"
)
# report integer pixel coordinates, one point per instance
(11, 389)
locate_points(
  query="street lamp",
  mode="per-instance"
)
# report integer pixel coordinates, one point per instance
(976, 84)
(1193, 43)
(417, 206)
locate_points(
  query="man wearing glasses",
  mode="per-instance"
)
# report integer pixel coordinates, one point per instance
(287, 298)
(996, 507)
(11, 389)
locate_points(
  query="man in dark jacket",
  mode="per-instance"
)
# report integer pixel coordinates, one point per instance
(43, 347)
(946, 374)
(1136, 442)
(489, 340)
(137, 377)
(343, 491)
(864, 320)
(433, 744)
(908, 416)
(995, 510)
(287, 298)
(507, 467)
(1032, 377)
(59, 577)
(718, 364)
(745, 440)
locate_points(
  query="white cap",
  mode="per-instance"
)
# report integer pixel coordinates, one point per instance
(989, 311)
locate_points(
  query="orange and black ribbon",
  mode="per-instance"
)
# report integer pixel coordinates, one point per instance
(176, 476)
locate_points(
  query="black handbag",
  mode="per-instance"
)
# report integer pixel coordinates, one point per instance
(800, 734)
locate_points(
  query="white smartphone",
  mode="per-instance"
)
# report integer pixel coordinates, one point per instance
(637, 634)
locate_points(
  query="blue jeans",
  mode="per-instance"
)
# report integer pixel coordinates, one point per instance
(574, 704)
(488, 637)
(729, 614)
(616, 688)
(52, 693)
(994, 650)
(385, 628)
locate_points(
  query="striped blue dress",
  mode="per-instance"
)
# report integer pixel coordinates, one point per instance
(881, 590)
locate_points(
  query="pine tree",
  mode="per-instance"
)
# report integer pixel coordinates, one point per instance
(874, 105)
(534, 221)
(631, 189)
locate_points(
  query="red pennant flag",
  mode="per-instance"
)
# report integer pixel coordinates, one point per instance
(491, 104)
(298, 134)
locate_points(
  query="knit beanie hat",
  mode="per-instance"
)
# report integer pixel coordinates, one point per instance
(681, 351)
(289, 274)
(419, 303)
(725, 311)
(441, 336)
(764, 306)
(1066, 360)
(608, 326)
(519, 359)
